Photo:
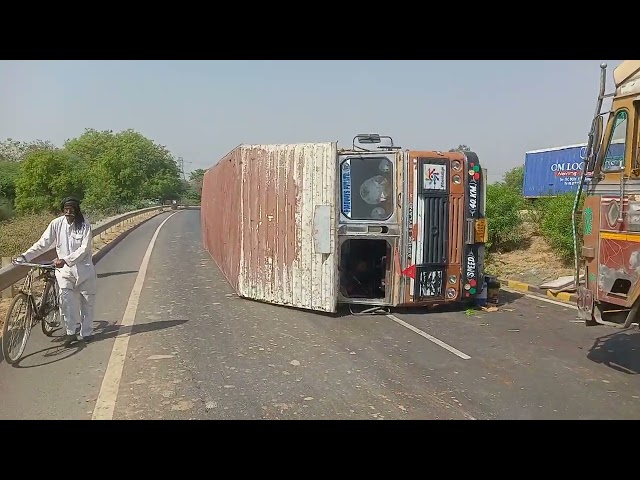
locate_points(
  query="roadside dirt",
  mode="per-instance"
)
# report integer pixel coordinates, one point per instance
(534, 265)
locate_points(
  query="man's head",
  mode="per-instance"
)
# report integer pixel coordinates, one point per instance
(71, 208)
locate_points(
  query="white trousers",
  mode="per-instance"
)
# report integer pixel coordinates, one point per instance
(77, 307)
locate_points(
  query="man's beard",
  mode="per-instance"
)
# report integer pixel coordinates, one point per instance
(70, 218)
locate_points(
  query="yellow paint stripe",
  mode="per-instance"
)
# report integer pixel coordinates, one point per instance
(523, 287)
(563, 296)
(621, 236)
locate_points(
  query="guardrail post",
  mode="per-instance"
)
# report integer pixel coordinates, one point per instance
(7, 293)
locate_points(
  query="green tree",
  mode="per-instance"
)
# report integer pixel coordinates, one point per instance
(193, 193)
(90, 144)
(461, 148)
(197, 175)
(124, 168)
(165, 186)
(15, 150)
(514, 178)
(45, 178)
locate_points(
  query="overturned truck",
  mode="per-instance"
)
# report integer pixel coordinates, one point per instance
(313, 226)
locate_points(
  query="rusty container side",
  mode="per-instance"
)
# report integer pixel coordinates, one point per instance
(221, 214)
(285, 189)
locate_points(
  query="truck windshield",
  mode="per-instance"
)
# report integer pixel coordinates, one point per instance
(614, 156)
(367, 190)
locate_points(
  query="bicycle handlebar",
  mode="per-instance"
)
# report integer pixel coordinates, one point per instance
(46, 265)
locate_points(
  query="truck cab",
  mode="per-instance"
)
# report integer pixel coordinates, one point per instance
(411, 222)
(607, 233)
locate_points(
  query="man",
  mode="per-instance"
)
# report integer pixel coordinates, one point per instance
(76, 275)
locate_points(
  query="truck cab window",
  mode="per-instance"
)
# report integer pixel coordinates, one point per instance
(614, 156)
(367, 188)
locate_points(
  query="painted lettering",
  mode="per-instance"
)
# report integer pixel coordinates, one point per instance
(471, 266)
(568, 166)
(473, 196)
(409, 232)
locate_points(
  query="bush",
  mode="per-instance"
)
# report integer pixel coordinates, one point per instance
(6, 209)
(8, 174)
(503, 217)
(514, 179)
(556, 225)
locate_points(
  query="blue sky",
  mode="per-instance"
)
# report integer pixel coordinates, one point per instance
(202, 109)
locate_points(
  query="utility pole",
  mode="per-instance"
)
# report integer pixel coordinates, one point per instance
(181, 165)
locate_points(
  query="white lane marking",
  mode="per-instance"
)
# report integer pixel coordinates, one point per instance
(106, 402)
(542, 299)
(455, 351)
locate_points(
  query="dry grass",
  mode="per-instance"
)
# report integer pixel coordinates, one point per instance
(18, 234)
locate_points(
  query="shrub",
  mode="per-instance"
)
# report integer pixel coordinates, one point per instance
(503, 217)
(8, 174)
(6, 209)
(555, 223)
(514, 179)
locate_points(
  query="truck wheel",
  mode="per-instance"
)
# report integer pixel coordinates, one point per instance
(632, 316)
(591, 322)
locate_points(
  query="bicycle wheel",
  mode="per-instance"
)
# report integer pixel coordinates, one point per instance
(17, 327)
(49, 309)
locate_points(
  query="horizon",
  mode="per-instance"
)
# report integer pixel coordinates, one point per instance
(200, 110)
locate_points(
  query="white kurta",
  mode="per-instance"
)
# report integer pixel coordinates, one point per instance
(74, 247)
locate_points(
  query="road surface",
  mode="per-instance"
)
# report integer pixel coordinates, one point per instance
(188, 348)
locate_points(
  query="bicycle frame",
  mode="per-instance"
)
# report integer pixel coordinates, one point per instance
(47, 270)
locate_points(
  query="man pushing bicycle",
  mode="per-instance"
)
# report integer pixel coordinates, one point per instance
(75, 273)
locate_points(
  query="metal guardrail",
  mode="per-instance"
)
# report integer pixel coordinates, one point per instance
(12, 274)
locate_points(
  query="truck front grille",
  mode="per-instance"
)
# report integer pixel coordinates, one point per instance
(436, 230)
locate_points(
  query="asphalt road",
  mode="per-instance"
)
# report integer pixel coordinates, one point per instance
(196, 351)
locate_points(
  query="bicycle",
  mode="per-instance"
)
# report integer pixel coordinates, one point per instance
(45, 310)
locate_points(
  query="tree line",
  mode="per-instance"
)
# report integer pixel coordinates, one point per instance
(110, 172)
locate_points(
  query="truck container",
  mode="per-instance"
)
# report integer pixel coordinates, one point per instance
(312, 226)
(553, 171)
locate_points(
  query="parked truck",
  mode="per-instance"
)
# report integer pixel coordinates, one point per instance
(553, 171)
(607, 246)
(313, 226)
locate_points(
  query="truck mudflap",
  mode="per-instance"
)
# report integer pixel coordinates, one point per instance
(473, 259)
(584, 303)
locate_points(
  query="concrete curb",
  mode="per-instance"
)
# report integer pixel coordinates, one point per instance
(525, 287)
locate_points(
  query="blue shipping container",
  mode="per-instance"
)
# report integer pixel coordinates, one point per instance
(553, 171)
(557, 170)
